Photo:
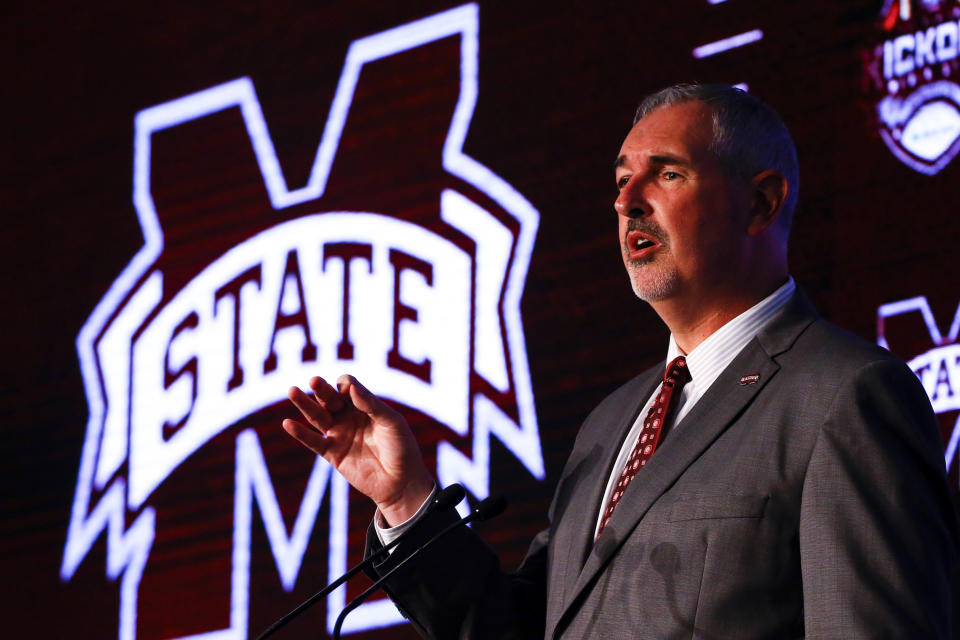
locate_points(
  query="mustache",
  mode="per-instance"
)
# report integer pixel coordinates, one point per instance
(648, 227)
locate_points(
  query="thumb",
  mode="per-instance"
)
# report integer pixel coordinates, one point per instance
(363, 399)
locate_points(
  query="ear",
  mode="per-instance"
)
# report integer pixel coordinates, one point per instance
(770, 191)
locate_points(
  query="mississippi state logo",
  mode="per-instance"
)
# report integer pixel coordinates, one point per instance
(397, 258)
(912, 76)
(910, 327)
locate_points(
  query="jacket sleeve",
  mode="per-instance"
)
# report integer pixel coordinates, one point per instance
(456, 588)
(878, 532)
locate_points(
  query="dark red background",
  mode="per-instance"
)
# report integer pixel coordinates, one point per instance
(557, 87)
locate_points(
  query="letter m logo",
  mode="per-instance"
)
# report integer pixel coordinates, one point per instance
(398, 258)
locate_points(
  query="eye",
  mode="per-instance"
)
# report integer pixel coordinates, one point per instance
(671, 175)
(622, 181)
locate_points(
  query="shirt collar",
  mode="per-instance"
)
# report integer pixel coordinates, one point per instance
(708, 360)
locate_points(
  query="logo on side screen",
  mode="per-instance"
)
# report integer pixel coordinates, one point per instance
(910, 327)
(912, 76)
(246, 287)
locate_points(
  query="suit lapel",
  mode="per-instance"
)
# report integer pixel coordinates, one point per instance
(719, 407)
(575, 532)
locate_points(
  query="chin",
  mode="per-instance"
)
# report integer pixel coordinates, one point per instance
(650, 284)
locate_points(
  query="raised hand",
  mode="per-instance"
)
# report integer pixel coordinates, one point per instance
(369, 443)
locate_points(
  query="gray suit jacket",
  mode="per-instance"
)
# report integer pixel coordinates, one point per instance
(810, 503)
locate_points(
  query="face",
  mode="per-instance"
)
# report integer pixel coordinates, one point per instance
(682, 218)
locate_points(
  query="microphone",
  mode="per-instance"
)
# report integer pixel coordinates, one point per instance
(445, 500)
(487, 509)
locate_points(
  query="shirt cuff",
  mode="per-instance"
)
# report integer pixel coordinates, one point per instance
(388, 534)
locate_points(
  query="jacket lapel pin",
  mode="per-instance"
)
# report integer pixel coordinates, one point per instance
(749, 378)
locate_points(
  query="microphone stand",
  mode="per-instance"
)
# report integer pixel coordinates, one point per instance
(445, 499)
(489, 508)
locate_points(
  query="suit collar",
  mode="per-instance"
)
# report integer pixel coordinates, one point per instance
(712, 414)
(713, 354)
(786, 327)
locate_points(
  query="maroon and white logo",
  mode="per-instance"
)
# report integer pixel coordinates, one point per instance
(909, 329)
(401, 260)
(912, 77)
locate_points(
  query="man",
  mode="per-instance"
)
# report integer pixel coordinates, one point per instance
(773, 478)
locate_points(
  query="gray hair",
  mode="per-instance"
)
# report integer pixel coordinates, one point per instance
(748, 135)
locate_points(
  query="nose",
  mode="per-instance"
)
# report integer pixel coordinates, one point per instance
(630, 202)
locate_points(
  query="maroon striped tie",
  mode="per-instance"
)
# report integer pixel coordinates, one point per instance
(660, 412)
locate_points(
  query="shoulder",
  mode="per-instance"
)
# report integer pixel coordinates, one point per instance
(627, 396)
(814, 352)
(618, 409)
(823, 342)
(864, 392)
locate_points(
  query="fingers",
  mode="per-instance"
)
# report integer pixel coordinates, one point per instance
(326, 410)
(327, 396)
(310, 438)
(315, 414)
(363, 399)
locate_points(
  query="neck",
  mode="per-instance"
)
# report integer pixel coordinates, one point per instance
(695, 317)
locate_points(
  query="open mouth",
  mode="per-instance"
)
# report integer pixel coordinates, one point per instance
(641, 245)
